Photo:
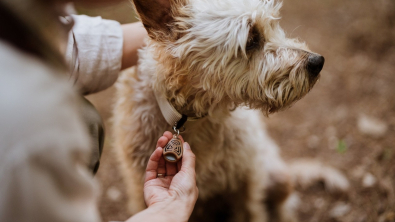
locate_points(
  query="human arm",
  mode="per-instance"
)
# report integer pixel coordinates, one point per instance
(173, 197)
(98, 49)
(133, 39)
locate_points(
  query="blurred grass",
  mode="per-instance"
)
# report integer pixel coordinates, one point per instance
(341, 147)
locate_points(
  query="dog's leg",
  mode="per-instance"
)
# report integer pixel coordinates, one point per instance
(279, 185)
(268, 189)
(136, 130)
(307, 172)
(125, 135)
(279, 188)
(255, 199)
(278, 193)
(132, 172)
(247, 203)
(274, 174)
(134, 180)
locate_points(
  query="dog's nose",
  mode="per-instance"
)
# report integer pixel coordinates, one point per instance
(314, 64)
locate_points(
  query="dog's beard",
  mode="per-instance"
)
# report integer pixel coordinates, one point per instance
(275, 82)
(283, 80)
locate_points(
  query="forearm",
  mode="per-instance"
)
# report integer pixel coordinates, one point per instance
(172, 212)
(133, 39)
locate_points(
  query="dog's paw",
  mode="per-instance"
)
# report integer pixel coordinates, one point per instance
(306, 173)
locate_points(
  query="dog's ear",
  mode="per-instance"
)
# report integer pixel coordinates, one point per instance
(157, 16)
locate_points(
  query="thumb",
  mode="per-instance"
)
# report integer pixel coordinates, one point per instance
(188, 160)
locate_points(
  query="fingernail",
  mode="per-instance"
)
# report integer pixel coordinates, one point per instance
(186, 146)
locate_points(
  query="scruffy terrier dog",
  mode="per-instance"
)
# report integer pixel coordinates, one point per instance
(222, 61)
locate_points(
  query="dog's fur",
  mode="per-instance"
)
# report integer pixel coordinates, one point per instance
(209, 57)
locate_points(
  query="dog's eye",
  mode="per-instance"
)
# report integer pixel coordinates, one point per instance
(253, 39)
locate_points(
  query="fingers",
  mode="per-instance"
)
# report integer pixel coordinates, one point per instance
(162, 141)
(153, 163)
(158, 165)
(188, 160)
(168, 135)
(162, 165)
(184, 183)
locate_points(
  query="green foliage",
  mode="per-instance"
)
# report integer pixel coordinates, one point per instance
(387, 155)
(341, 146)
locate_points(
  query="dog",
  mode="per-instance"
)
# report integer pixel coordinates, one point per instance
(221, 63)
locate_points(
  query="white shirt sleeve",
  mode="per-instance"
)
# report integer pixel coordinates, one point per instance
(94, 53)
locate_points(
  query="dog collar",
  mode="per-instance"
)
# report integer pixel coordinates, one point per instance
(172, 116)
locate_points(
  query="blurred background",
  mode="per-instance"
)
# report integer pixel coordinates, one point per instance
(347, 120)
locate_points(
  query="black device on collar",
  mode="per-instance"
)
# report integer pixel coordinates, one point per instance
(182, 121)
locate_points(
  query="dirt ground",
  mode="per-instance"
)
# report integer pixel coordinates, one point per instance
(346, 121)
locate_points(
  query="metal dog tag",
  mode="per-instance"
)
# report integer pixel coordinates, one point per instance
(173, 150)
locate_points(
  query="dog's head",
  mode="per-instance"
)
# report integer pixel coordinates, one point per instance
(221, 53)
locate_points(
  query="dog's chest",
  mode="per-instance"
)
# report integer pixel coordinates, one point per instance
(226, 153)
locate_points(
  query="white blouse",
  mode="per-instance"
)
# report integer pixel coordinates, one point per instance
(94, 53)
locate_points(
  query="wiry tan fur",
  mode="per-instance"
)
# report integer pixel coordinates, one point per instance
(199, 60)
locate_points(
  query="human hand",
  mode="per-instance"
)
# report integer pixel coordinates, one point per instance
(176, 192)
